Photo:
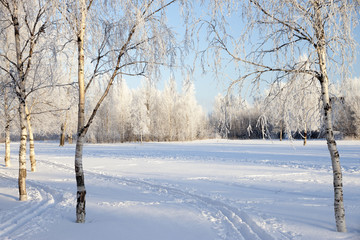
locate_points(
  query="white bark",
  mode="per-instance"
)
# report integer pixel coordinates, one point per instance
(26, 36)
(79, 172)
(22, 111)
(31, 141)
(287, 30)
(7, 145)
(305, 135)
(335, 157)
(7, 129)
(80, 181)
(63, 130)
(335, 160)
(22, 153)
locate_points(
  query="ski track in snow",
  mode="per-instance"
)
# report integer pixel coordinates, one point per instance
(229, 222)
(20, 221)
(29, 217)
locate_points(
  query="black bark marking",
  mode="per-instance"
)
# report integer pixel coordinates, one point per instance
(80, 181)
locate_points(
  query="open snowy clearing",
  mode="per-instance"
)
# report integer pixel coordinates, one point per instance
(213, 189)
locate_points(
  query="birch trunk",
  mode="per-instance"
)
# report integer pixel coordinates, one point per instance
(22, 153)
(305, 135)
(80, 181)
(63, 130)
(7, 129)
(79, 172)
(31, 141)
(21, 93)
(70, 138)
(62, 135)
(335, 157)
(7, 144)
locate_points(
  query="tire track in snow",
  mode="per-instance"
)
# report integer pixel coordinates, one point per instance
(236, 223)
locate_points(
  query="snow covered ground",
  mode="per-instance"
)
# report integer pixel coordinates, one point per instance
(213, 189)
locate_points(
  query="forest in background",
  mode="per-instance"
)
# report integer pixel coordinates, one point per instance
(150, 114)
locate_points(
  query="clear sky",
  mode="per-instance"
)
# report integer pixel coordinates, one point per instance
(206, 86)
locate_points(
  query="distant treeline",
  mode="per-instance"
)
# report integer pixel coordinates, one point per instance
(148, 114)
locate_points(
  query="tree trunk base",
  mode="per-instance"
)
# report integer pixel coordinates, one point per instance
(70, 139)
(80, 207)
(23, 198)
(339, 206)
(22, 185)
(80, 218)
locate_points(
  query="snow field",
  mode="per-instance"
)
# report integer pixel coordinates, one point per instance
(213, 189)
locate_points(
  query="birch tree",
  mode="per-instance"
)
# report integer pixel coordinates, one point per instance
(8, 106)
(170, 98)
(27, 21)
(346, 106)
(276, 108)
(123, 100)
(7, 91)
(65, 96)
(282, 31)
(140, 115)
(294, 106)
(220, 116)
(8, 119)
(115, 122)
(126, 37)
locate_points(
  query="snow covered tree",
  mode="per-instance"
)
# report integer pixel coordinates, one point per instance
(28, 21)
(232, 117)
(192, 114)
(122, 101)
(169, 98)
(140, 115)
(220, 116)
(347, 108)
(294, 106)
(148, 114)
(276, 108)
(152, 103)
(31, 139)
(67, 127)
(66, 97)
(113, 123)
(307, 107)
(9, 106)
(9, 103)
(283, 31)
(126, 37)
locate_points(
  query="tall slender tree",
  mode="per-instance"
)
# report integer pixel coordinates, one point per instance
(9, 107)
(28, 22)
(31, 139)
(283, 31)
(7, 90)
(134, 41)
